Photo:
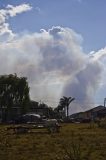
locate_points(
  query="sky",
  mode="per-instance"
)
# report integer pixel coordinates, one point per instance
(59, 45)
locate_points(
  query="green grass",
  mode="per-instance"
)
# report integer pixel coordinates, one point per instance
(74, 142)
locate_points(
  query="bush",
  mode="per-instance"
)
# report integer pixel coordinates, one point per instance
(102, 123)
(74, 150)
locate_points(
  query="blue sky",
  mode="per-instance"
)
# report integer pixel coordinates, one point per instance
(56, 61)
(87, 17)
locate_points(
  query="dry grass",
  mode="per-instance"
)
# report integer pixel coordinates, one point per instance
(74, 142)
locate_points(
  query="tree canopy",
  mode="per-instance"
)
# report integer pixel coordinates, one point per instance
(64, 103)
(14, 91)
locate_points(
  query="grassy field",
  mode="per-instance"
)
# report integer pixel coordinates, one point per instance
(74, 142)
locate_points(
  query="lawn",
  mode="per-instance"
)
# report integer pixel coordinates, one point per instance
(74, 142)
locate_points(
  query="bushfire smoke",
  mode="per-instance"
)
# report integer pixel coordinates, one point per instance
(55, 65)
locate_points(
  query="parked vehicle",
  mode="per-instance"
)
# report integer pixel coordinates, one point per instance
(29, 118)
(34, 121)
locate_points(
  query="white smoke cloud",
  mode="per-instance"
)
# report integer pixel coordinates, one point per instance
(46, 58)
(84, 85)
(10, 11)
(55, 64)
(99, 55)
(13, 11)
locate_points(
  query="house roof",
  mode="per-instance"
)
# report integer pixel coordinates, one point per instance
(95, 109)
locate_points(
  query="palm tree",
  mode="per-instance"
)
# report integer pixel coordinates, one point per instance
(65, 102)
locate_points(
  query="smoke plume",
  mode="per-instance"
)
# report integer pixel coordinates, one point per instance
(55, 64)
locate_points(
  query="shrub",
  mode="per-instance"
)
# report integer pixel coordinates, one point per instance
(74, 150)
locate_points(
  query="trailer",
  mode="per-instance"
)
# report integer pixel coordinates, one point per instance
(51, 125)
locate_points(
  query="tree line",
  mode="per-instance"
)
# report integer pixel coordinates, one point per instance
(14, 97)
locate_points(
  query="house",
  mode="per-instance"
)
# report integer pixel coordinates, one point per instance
(90, 114)
(101, 113)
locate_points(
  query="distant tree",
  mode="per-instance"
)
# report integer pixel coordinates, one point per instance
(14, 91)
(47, 111)
(51, 112)
(59, 111)
(65, 102)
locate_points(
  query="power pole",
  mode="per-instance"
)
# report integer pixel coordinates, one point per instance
(104, 102)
